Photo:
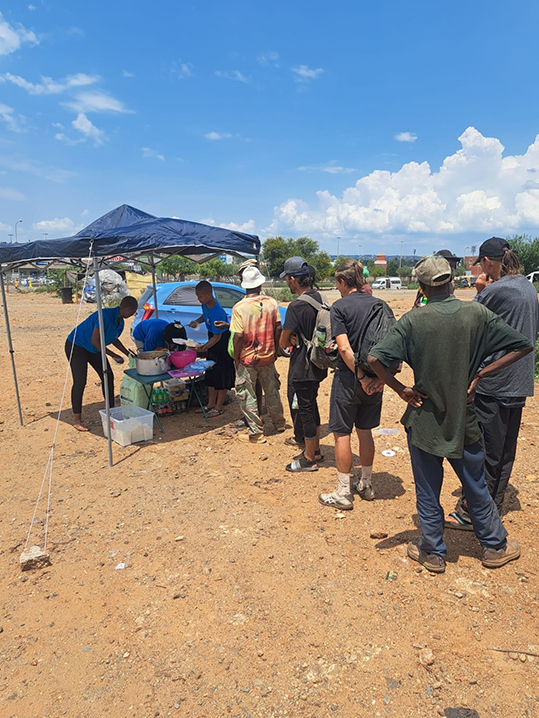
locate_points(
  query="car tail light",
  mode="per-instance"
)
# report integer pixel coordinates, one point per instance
(148, 311)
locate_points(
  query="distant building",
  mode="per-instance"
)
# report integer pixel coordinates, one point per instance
(474, 270)
(381, 261)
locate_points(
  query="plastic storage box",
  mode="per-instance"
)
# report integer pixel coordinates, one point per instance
(129, 424)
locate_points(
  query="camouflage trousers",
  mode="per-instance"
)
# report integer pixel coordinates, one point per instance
(246, 377)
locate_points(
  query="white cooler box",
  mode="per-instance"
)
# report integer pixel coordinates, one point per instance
(129, 424)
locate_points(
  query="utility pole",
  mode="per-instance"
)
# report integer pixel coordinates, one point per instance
(10, 238)
(45, 234)
(400, 261)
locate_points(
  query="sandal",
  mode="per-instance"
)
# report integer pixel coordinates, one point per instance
(458, 523)
(302, 464)
(213, 412)
(318, 457)
(290, 441)
(206, 409)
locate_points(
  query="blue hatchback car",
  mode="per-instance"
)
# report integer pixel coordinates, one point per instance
(177, 301)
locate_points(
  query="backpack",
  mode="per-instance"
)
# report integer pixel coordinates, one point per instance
(321, 347)
(377, 324)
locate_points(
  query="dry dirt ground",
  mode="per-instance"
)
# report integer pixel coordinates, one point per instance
(241, 595)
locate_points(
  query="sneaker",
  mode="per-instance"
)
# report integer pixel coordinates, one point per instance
(366, 493)
(280, 429)
(252, 438)
(291, 441)
(431, 561)
(494, 558)
(343, 503)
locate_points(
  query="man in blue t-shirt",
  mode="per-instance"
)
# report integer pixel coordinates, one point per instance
(221, 377)
(152, 334)
(83, 347)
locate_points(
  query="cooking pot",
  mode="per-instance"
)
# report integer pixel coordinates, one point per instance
(152, 363)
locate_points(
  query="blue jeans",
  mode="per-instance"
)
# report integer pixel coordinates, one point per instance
(428, 476)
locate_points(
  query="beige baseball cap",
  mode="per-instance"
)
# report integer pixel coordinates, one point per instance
(433, 270)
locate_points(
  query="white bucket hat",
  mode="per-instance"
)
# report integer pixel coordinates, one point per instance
(252, 278)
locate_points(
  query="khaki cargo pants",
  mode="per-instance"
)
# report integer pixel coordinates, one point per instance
(246, 392)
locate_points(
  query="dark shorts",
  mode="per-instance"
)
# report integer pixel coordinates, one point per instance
(349, 406)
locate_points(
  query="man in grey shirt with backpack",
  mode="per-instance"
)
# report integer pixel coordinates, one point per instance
(356, 398)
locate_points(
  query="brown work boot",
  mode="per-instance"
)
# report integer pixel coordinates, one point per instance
(431, 561)
(494, 558)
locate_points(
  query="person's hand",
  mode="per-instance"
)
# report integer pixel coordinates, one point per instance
(470, 394)
(412, 396)
(118, 359)
(220, 324)
(371, 385)
(482, 281)
(293, 340)
(193, 324)
(131, 353)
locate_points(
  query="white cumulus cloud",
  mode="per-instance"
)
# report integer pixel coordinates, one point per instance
(88, 129)
(13, 36)
(148, 152)
(331, 167)
(64, 226)
(248, 227)
(182, 70)
(476, 189)
(48, 86)
(13, 122)
(303, 73)
(11, 194)
(406, 137)
(96, 101)
(269, 58)
(217, 135)
(233, 75)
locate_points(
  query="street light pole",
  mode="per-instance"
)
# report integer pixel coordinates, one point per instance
(400, 260)
(16, 223)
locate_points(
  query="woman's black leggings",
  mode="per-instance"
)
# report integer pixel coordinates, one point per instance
(79, 368)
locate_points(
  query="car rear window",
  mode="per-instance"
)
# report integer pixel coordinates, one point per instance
(145, 296)
(183, 296)
(227, 297)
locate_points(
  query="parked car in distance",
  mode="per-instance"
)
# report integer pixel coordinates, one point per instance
(387, 283)
(461, 283)
(177, 302)
(533, 276)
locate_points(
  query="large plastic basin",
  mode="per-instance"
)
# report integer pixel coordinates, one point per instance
(182, 359)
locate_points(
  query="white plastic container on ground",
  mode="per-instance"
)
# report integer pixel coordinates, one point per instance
(130, 424)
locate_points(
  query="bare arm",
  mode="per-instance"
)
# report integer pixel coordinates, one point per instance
(238, 345)
(210, 343)
(406, 393)
(96, 341)
(118, 344)
(370, 385)
(277, 336)
(496, 366)
(194, 324)
(285, 340)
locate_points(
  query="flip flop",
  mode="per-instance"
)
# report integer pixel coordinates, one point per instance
(206, 409)
(318, 458)
(214, 412)
(458, 523)
(301, 464)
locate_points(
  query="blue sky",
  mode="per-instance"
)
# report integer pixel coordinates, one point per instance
(373, 122)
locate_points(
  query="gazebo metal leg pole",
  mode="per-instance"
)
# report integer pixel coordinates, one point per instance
(154, 286)
(11, 350)
(103, 355)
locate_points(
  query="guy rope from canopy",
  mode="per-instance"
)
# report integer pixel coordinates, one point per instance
(129, 233)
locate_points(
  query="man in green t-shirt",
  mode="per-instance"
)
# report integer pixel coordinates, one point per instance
(445, 344)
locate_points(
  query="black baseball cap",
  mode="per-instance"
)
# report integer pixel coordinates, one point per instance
(448, 254)
(295, 267)
(492, 248)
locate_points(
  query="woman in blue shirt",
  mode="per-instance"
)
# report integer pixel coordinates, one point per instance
(83, 347)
